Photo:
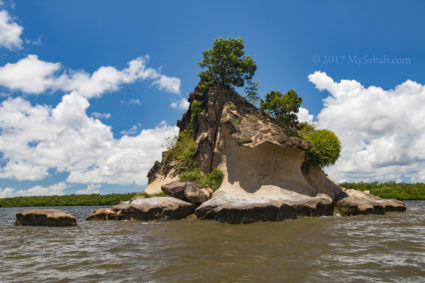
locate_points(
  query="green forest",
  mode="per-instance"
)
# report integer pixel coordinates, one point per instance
(401, 191)
(66, 200)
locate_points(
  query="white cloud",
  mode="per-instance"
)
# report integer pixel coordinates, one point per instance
(181, 104)
(305, 116)
(133, 101)
(56, 189)
(36, 138)
(168, 84)
(10, 32)
(91, 189)
(382, 131)
(98, 115)
(133, 130)
(34, 76)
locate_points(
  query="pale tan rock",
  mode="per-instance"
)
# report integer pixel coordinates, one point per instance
(104, 214)
(354, 202)
(45, 217)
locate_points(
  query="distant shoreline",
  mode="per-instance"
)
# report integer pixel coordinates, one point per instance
(400, 191)
(66, 200)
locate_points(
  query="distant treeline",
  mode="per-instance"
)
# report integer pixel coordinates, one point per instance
(402, 191)
(66, 200)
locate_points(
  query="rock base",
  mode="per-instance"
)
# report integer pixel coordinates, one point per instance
(45, 217)
(354, 202)
(146, 209)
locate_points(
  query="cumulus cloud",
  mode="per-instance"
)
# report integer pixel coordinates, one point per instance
(305, 116)
(181, 104)
(34, 76)
(56, 189)
(382, 131)
(98, 115)
(34, 139)
(10, 32)
(91, 189)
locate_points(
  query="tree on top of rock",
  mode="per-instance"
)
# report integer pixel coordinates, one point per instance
(226, 65)
(283, 106)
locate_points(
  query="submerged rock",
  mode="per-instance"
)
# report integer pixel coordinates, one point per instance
(354, 202)
(104, 214)
(45, 217)
(154, 208)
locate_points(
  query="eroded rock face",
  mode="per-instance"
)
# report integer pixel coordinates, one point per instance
(45, 217)
(104, 214)
(354, 202)
(154, 208)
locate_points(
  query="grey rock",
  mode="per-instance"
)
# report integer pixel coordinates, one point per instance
(175, 189)
(155, 208)
(354, 202)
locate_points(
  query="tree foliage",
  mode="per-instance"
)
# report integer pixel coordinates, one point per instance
(402, 191)
(226, 65)
(283, 106)
(325, 151)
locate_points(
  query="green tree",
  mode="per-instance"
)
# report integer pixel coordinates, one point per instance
(252, 92)
(325, 151)
(283, 106)
(226, 65)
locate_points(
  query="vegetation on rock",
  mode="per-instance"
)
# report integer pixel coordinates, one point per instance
(325, 151)
(401, 191)
(283, 106)
(188, 169)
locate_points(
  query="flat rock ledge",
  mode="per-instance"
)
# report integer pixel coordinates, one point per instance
(242, 208)
(45, 217)
(354, 202)
(155, 208)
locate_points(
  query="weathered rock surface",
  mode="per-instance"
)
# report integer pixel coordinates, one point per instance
(354, 202)
(196, 195)
(175, 189)
(154, 208)
(45, 217)
(236, 206)
(104, 214)
(261, 163)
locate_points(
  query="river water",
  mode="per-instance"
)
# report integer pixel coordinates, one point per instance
(372, 248)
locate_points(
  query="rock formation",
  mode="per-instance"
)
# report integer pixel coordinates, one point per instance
(146, 209)
(261, 162)
(45, 217)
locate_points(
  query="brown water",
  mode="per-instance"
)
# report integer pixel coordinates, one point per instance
(389, 248)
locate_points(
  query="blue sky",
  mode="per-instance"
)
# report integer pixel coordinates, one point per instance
(375, 48)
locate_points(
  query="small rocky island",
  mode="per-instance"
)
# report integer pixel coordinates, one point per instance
(45, 217)
(263, 179)
(236, 163)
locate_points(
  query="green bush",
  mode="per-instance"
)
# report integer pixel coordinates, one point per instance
(182, 151)
(195, 108)
(325, 151)
(212, 180)
(283, 106)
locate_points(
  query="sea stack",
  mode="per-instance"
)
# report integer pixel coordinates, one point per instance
(261, 161)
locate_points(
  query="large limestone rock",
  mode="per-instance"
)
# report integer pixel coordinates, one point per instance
(261, 163)
(45, 217)
(154, 208)
(354, 202)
